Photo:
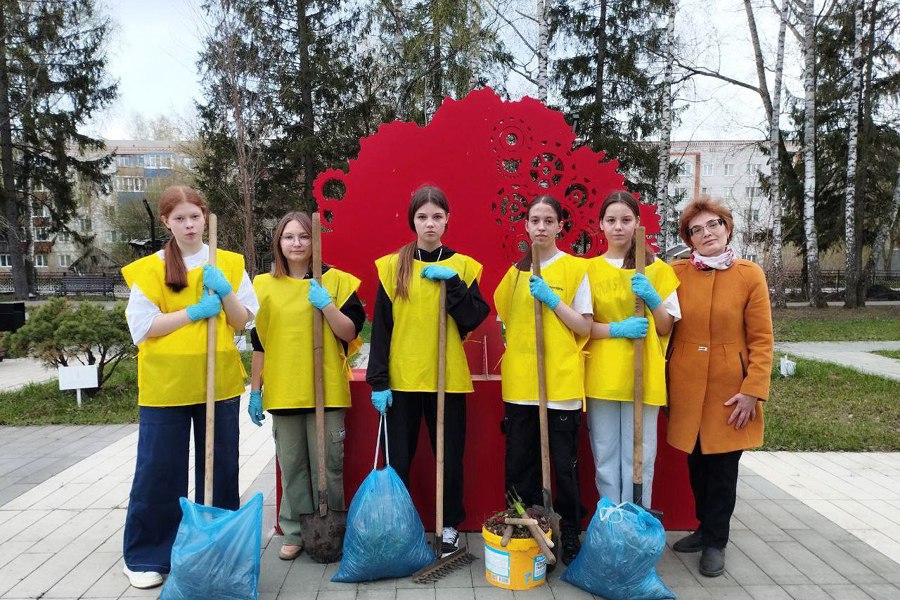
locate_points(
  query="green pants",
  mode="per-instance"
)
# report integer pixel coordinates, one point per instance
(295, 447)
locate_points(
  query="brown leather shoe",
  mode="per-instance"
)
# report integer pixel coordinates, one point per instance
(289, 552)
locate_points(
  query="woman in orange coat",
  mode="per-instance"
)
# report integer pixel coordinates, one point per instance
(719, 368)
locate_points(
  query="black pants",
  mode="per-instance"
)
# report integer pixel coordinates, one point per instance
(403, 420)
(521, 424)
(714, 482)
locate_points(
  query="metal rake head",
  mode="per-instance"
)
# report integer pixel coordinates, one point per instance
(444, 566)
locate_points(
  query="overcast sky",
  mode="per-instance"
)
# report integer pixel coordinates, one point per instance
(154, 49)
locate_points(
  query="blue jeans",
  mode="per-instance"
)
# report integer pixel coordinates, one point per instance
(161, 476)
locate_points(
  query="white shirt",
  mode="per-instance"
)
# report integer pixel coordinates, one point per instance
(670, 303)
(583, 304)
(141, 311)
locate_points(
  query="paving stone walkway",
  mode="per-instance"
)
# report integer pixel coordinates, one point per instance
(855, 355)
(18, 372)
(793, 535)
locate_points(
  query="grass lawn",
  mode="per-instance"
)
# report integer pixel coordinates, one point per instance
(45, 404)
(888, 353)
(827, 407)
(874, 323)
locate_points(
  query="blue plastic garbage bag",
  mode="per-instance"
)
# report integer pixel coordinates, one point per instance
(216, 553)
(385, 537)
(618, 558)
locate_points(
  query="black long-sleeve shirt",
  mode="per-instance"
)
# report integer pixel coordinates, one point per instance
(464, 304)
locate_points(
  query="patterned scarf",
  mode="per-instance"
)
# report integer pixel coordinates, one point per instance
(707, 263)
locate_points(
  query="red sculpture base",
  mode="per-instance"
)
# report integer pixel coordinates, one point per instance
(484, 470)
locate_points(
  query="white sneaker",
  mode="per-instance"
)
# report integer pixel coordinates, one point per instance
(143, 579)
(450, 541)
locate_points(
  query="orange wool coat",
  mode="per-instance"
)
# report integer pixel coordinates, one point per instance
(722, 345)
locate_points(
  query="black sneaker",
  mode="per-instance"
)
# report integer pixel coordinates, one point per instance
(571, 545)
(689, 543)
(450, 542)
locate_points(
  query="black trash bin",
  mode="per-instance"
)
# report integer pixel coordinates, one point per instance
(12, 315)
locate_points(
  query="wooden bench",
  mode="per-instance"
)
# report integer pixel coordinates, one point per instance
(87, 284)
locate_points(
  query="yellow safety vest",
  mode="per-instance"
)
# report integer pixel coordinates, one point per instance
(284, 325)
(172, 367)
(609, 373)
(564, 363)
(412, 364)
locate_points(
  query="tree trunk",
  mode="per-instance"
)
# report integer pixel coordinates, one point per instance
(8, 196)
(243, 159)
(304, 41)
(814, 289)
(474, 49)
(779, 300)
(887, 225)
(850, 241)
(437, 69)
(868, 136)
(543, 50)
(599, 89)
(665, 138)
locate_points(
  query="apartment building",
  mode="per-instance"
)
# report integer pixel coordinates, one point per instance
(730, 171)
(140, 168)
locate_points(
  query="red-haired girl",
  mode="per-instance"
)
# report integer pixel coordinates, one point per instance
(167, 310)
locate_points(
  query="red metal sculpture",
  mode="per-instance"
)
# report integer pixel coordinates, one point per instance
(490, 157)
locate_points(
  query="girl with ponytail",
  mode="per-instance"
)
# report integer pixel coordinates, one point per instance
(565, 295)
(403, 351)
(168, 305)
(609, 370)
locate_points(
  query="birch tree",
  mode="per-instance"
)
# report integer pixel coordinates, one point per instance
(543, 52)
(775, 199)
(814, 284)
(665, 137)
(850, 242)
(890, 221)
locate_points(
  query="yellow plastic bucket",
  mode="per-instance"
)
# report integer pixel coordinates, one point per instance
(519, 566)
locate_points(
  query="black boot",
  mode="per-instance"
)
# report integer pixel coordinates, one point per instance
(689, 543)
(571, 545)
(712, 562)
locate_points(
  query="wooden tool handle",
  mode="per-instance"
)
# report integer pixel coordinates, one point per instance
(318, 377)
(439, 426)
(507, 534)
(543, 542)
(210, 377)
(640, 255)
(542, 384)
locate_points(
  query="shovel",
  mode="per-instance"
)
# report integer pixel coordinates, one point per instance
(637, 472)
(551, 515)
(210, 376)
(461, 556)
(323, 530)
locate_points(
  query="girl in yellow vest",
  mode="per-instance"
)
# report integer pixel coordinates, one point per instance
(403, 353)
(609, 372)
(167, 310)
(564, 290)
(283, 369)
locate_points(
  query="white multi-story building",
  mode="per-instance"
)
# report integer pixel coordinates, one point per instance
(139, 168)
(730, 171)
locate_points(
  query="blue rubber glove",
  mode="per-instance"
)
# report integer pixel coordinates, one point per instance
(541, 291)
(214, 279)
(318, 296)
(255, 409)
(209, 306)
(632, 327)
(381, 400)
(437, 272)
(641, 286)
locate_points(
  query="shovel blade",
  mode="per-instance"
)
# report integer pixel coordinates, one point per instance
(323, 536)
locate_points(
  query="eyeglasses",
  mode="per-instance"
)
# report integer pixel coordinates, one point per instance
(710, 226)
(303, 238)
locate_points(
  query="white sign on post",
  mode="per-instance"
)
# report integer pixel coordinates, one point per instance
(78, 378)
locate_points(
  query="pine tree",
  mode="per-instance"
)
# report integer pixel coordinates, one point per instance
(52, 80)
(611, 83)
